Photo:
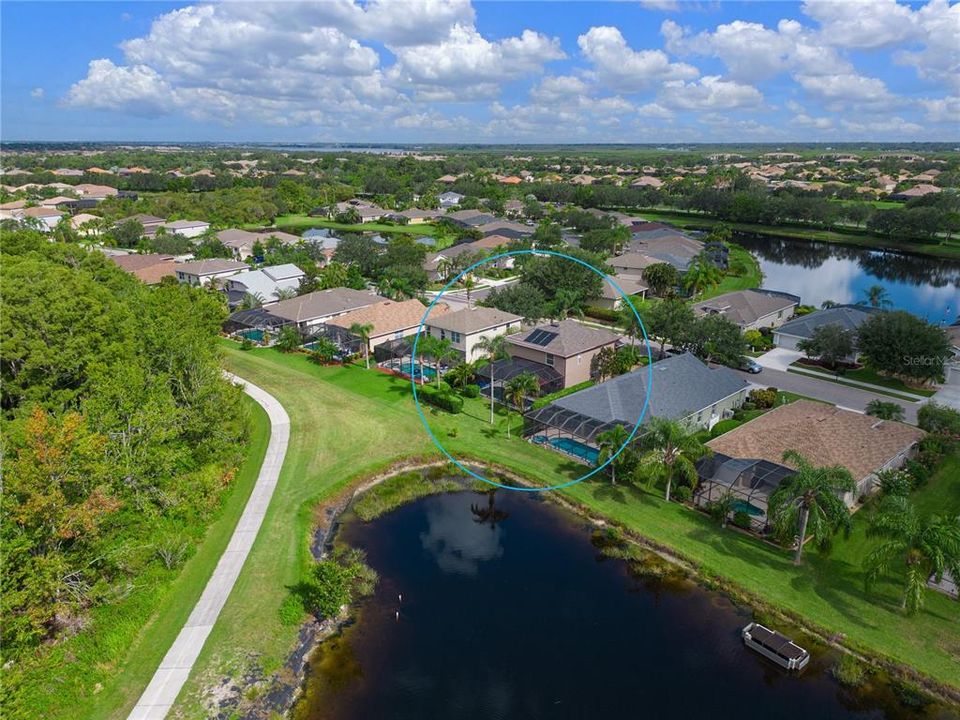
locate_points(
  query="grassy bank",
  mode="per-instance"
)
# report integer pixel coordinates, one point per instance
(101, 672)
(744, 273)
(347, 423)
(399, 490)
(852, 236)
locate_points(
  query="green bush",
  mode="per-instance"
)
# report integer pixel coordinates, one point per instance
(547, 399)
(940, 419)
(895, 482)
(849, 671)
(682, 494)
(291, 611)
(741, 518)
(601, 313)
(918, 472)
(724, 426)
(441, 399)
(471, 391)
(763, 399)
(246, 344)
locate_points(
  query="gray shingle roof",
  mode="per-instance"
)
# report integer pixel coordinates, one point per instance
(472, 320)
(849, 317)
(322, 303)
(744, 307)
(681, 385)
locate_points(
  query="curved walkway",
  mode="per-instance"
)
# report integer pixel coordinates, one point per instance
(177, 663)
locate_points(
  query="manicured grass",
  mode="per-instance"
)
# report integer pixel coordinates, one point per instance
(126, 641)
(869, 375)
(891, 387)
(302, 222)
(748, 274)
(347, 422)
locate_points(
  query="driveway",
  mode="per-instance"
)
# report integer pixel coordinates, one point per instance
(779, 358)
(949, 392)
(176, 665)
(843, 396)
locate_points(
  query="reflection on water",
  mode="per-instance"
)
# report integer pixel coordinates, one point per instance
(458, 546)
(522, 618)
(818, 271)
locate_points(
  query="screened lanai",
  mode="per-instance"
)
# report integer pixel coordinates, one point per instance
(751, 481)
(507, 369)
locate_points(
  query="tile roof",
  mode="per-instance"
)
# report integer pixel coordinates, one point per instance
(745, 307)
(210, 267)
(571, 338)
(473, 320)
(150, 268)
(388, 316)
(823, 434)
(323, 303)
(681, 385)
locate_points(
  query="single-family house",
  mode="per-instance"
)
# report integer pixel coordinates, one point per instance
(505, 228)
(469, 218)
(203, 272)
(416, 216)
(751, 309)
(45, 218)
(150, 223)
(187, 228)
(239, 242)
(389, 319)
(466, 328)
(316, 308)
(268, 283)
(683, 389)
(849, 317)
(96, 192)
(566, 346)
(449, 199)
(150, 268)
(748, 460)
(611, 299)
(85, 224)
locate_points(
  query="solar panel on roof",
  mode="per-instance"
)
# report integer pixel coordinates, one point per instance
(541, 337)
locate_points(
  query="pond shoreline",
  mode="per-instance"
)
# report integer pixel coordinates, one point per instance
(284, 688)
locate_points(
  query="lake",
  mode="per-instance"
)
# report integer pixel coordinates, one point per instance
(817, 271)
(522, 618)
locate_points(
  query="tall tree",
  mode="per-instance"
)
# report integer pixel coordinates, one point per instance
(362, 331)
(518, 388)
(917, 546)
(810, 503)
(661, 277)
(610, 441)
(670, 453)
(829, 343)
(900, 343)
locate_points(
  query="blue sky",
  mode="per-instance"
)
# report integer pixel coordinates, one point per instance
(452, 70)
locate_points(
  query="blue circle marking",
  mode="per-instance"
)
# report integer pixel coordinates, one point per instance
(423, 417)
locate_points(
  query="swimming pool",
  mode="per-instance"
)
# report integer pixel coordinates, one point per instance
(571, 447)
(253, 334)
(742, 506)
(407, 368)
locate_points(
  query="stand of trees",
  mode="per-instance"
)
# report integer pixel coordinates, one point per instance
(120, 436)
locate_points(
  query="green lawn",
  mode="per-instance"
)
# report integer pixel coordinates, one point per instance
(348, 423)
(748, 274)
(126, 641)
(894, 387)
(302, 222)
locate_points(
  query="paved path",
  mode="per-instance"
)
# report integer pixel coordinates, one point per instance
(949, 392)
(778, 358)
(177, 663)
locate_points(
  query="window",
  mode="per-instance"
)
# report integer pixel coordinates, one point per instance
(455, 336)
(549, 359)
(443, 334)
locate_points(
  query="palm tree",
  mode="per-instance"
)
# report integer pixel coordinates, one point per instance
(609, 442)
(877, 296)
(723, 506)
(885, 410)
(702, 274)
(810, 501)
(441, 350)
(461, 375)
(468, 285)
(925, 546)
(495, 348)
(285, 293)
(565, 302)
(522, 386)
(251, 301)
(671, 452)
(362, 331)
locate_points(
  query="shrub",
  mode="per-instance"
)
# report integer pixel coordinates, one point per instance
(741, 518)
(849, 671)
(443, 400)
(601, 313)
(918, 471)
(895, 482)
(763, 399)
(724, 426)
(471, 391)
(939, 419)
(885, 410)
(246, 344)
(682, 494)
(288, 340)
(757, 340)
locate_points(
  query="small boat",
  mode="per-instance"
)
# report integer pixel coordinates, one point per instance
(774, 646)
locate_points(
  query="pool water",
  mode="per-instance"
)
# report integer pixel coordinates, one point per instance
(571, 447)
(254, 335)
(741, 506)
(408, 369)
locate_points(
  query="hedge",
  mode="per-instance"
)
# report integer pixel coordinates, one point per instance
(724, 426)
(547, 399)
(471, 391)
(601, 313)
(441, 399)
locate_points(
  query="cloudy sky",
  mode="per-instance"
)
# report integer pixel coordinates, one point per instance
(452, 70)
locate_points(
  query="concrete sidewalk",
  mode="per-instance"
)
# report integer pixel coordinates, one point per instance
(176, 665)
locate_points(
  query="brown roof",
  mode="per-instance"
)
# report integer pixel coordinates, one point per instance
(632, 261)
(823, 434)
(210, 267)
(570, 338)
(389, 316)
(473, 320)
(322, 303)
(41, 212)
(630, 284)
(150, 268)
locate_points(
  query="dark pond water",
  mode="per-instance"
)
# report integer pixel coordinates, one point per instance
(817, 271)
(523, 619)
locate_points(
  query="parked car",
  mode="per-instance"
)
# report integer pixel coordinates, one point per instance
(751, 366)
